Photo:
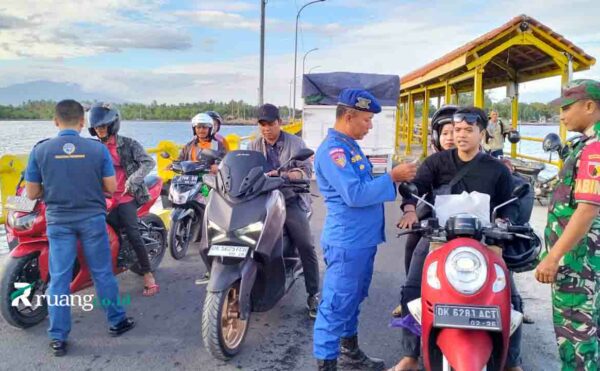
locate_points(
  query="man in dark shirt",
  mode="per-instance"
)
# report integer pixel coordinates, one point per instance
(486, 175)
(71, 173)
(278, 147)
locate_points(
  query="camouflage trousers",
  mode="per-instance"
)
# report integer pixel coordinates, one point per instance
(576, 308)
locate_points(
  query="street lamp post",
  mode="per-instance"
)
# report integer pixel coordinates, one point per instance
(313, 68)
(296, 51)
(304, 58)
(261, 80)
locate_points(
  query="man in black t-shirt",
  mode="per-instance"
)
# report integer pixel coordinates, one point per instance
(487, 175)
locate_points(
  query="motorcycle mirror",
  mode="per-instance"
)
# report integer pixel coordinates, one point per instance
(407, 189)
(210, 180)
(514, 136)
(303, 154)
(521, 190)
(165, 155)
(552, 143)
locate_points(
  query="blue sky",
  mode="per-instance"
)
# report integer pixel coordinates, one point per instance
(182, 51)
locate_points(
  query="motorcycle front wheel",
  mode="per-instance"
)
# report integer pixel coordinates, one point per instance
(179, 237)
(31, 309)
(223, 331)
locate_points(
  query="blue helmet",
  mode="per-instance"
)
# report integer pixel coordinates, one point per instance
(101, 114)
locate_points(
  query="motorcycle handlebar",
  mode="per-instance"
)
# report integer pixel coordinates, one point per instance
(519, 229)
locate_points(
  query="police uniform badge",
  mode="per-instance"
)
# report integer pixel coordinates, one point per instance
(338, 156)
(362, 103)
(68, 148)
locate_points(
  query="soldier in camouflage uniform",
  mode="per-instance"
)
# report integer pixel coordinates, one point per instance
(572, 260)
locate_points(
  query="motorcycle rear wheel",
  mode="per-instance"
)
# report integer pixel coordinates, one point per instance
(159, 234)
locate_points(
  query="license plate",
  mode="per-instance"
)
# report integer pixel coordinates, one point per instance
(185, 179)
(468, 317)
(20, 203)
(228, 251)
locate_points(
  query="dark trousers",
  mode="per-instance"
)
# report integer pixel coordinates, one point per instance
(298, 229)
(411, 343)
(125, 217)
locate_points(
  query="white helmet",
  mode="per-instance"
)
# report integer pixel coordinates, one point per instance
(202, 119)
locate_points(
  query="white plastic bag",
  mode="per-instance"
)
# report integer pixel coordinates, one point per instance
(474, 203)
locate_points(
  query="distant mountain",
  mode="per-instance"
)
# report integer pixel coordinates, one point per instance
(42, 89)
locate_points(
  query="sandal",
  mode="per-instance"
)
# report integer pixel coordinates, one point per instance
(151, 290)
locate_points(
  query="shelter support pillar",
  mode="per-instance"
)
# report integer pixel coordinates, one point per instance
(478, 88)
(411, 123)
(448, 94)
(425, 122)
(514, 122)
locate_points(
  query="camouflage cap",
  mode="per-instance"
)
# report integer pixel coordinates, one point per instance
(578, 90)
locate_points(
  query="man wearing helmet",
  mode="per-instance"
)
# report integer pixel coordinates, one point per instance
(453, 171)
(204, 127)
(131, 164)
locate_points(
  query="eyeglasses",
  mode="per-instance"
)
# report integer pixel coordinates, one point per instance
(469, 118)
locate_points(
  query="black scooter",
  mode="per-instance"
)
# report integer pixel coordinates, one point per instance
(252, 263)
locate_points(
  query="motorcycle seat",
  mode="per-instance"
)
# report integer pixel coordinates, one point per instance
(151, 180)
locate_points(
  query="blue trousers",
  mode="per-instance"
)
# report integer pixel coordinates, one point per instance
(92, 234)
(345, 285)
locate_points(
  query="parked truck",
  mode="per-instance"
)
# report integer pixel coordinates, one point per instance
(320, 92)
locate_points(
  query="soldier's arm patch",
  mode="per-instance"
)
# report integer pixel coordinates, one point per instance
(338, 156)
(587, 180)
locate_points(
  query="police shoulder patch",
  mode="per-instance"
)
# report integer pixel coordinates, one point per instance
(338, 156)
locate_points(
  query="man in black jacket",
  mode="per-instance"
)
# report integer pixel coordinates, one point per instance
(485, 175)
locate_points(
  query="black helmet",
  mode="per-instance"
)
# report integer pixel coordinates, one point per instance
(552, 143)
(521, 254)
(514, 136)
(218, 121)
(104, 114)
(440, 118)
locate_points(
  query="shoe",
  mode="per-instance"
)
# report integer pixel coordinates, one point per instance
(352, 357)
(528, 320)
(312, 303)
(122, 327)
(58, 347)
(327, 364)
(397, 312)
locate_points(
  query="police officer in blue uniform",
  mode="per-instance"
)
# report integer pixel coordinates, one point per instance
(71, 174)
(354, 226)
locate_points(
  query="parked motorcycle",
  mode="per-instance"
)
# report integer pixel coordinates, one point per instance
(252, 263)
(187, 194)
(28, 258)
(465, 309)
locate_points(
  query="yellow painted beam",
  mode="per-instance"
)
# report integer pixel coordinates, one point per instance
(484, 59)
(584, 63)
(453, 65)
(425, 123)
(447, 94)
(558, 56)
(462, 77)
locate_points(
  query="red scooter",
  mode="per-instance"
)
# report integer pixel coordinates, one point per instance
(465, 311)
(27, 262)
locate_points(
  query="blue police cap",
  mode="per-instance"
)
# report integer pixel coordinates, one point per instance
(359, 99)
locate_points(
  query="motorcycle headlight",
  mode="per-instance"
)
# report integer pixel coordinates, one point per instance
(23, 222)
(179, 198)
(466, 270)
(249, 233)
(215, 233)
